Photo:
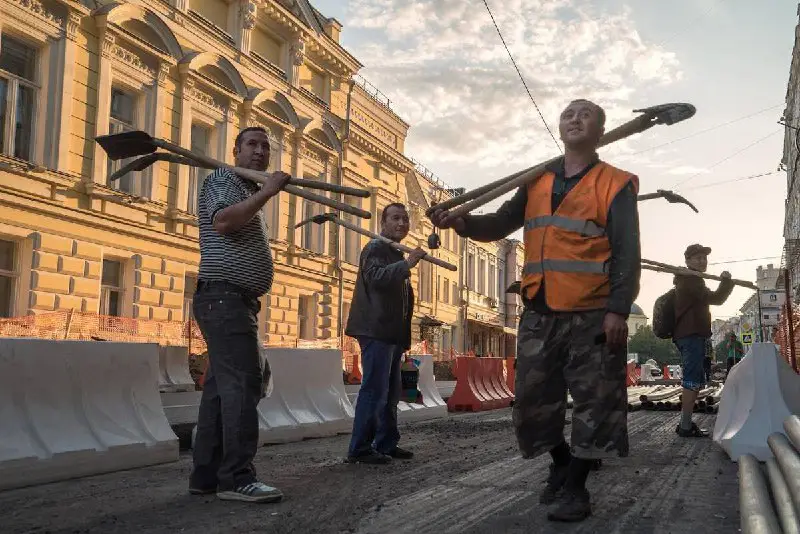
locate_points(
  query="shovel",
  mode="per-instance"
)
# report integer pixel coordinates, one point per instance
(138, 143)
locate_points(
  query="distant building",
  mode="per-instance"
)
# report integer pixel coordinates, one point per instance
(636, 320)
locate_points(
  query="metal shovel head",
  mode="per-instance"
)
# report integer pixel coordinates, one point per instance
(126, 144)
(669, 113)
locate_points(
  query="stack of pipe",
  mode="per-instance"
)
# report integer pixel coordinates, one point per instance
(668, 398)
(764, 511)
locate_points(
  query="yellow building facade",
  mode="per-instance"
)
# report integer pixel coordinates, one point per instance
(195, 73)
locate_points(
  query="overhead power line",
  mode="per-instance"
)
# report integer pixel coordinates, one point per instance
(744, 260)
(723, 182)
(731, 156)
(496, 27)
(711, 129)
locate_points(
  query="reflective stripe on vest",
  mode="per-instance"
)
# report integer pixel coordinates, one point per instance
(566, 266)
(586, 228)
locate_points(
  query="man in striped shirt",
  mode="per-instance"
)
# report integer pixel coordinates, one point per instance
(235, 270)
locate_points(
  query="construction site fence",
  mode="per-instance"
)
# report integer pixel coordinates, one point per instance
(787, 334)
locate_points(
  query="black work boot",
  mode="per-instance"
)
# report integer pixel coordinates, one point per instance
(571, 507)
(694, 432)
(555, 482)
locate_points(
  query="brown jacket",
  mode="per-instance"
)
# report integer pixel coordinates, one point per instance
(692, 305)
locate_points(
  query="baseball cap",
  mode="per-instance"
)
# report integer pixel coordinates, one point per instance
(692, 250)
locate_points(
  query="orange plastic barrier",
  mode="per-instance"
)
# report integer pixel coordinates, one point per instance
(633, 374)
(511, 373)
(480, 385)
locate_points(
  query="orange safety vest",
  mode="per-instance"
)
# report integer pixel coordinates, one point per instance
(569, 249)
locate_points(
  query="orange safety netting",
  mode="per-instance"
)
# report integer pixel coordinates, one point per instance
(75, 325)
(787, 343)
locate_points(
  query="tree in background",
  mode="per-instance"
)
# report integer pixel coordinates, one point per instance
(647, 346)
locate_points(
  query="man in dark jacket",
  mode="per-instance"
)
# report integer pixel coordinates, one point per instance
(693, 329)
(380, 319)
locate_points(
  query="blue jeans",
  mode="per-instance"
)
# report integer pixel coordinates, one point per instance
(375, 422)
(693, 354)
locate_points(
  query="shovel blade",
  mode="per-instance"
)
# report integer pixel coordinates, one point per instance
(669, 114)
(126, 144)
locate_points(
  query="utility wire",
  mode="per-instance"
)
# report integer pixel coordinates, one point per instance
(496, 27)
(723, 182)
(707, 130)
(723, 160)
(686, 27)
(744, 260)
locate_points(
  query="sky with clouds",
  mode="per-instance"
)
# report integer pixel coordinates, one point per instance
(446, 72)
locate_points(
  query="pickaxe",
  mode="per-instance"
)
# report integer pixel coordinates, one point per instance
(138, 143)
(669, 196)
(330, 217)
(663, 114)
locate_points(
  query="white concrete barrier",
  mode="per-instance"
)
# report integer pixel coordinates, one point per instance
(433, 406)
(173, 364)
(760, 393)
(76, 408)
(306, 399)
(647, 372)
(181, 408)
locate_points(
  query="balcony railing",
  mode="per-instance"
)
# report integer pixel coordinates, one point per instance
(373, 92)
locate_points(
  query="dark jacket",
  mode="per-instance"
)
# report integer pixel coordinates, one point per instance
(622, 229)
(383, 301)
(692, 305)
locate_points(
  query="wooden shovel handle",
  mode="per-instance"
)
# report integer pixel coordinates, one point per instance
(259, 177)
(398, 246)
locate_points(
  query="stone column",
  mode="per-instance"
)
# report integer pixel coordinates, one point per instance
(295, 214)
(103, 110)
(297, 54)
(57, 154)
(157, 170)
(184, 139)
(247, 21)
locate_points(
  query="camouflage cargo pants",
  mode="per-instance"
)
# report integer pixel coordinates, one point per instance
(557, 353)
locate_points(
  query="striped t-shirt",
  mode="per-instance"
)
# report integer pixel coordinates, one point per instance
(242, 257)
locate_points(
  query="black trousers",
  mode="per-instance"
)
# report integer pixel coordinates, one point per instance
(227, 424)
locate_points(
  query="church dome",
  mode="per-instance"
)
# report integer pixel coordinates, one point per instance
(636, 309)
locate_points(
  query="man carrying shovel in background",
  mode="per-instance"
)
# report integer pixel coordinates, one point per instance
(693, 329)
(581, 275)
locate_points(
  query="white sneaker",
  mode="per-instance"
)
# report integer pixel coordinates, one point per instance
(254, 492)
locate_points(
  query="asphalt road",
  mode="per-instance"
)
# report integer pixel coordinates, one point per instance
(467, 477)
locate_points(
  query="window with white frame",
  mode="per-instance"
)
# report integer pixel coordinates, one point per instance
(18, 97)
(492, 281)
(8, 277)
(189, 289)
(123, 119)
(200, 144)
(482, 276)
(111, 288)
(307, 317)
(470, 283)
(456, 300)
